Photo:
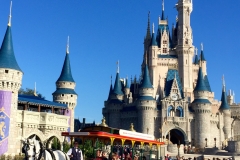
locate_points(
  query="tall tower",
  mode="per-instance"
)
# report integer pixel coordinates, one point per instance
(185, 48)
(10, 83)
(225, 110)
(65, 86)
(202, 109)
(146, 105)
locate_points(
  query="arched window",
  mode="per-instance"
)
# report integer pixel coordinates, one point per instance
(179, 111)
(170, 111)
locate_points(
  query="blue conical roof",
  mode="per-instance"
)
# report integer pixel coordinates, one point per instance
(146, 83)
(224, 105)
(154, 42)
(110, 92)
(127, 85)
(7, 57)
(201, 86)
(202, 56)
(66, 74)
(117, 86)
(195, 60)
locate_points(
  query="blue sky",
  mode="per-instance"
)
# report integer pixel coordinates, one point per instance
(104, 31)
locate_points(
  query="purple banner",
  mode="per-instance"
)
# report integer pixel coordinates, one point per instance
(5, 111)
(68, 113)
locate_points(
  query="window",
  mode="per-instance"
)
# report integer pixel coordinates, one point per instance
(164, 50)
(6, 71)
(164, 41)
(62, 95)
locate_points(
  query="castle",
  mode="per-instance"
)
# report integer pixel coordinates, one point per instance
(22, 116)
(173, 99)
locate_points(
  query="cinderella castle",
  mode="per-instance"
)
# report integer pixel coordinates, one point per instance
(173, 99)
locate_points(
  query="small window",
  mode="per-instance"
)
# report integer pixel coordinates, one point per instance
(71, 95)
(62, 95)
(165, 42)
(164, 50)
(70, 83)
(6, 71)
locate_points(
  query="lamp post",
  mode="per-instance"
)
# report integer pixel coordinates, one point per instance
(206, 141)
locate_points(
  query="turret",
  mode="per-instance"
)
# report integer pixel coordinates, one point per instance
(230, 97)
(202, 108)
(225, 110)
(146, 105)
(113, 105)
(10, 83)
(65, 86)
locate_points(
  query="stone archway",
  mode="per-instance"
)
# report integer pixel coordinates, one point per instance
(54, 142)
(177, 135)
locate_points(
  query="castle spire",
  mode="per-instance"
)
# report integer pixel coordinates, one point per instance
(201, 86)
(148, 35)
(66, 74)
(7, 57)
(196, 57)
(110, 90)
(163, 17)
(202, 58)
(146, 83)
(117, 85)
(154, 42)
(224, 105)
(10, 15)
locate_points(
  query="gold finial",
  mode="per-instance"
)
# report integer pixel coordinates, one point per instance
(132, 128)
(10, 15)
(104, 122)
(67, 51)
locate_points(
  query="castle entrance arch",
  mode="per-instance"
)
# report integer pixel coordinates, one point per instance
(176, 136)
(53, 143)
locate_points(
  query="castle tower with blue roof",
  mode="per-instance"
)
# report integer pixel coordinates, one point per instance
(65, 85)
(10, 83)
(172, 99)
(202, 109)
(146, 104)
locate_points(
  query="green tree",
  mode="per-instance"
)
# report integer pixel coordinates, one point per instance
(29, 91)
(56, 144)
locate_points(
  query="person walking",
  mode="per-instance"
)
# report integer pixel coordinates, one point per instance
(75, 153)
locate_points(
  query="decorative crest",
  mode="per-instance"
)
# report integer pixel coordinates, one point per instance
(104, 122)
(132, 128)
(10, 15)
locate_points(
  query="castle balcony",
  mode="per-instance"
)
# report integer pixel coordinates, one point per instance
(42, 120)
(176, 119)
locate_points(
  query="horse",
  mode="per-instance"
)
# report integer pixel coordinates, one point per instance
(34, 150)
